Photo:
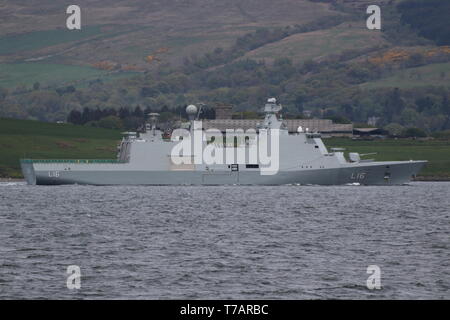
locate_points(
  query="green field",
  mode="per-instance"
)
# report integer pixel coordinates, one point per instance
(41, 39)
(436, 152)
(32, 139)
(50, 74)
(437, 74)
(312, 45)
(38, 140)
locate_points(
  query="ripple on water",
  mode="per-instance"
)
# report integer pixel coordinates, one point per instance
(286, 242)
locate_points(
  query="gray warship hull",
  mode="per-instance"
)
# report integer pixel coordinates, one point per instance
(375, 173)
(300, 158)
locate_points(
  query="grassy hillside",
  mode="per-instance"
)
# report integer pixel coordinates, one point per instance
(430, 75)
(317, 44)
(126, 33)
(51, 74)
(32, 139)
(41, 39)
(31, 25)
(210, 51)
(436, 152)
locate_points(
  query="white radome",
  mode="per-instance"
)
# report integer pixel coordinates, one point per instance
(191, 109)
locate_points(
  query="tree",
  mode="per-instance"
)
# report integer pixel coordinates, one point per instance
(283, 67)
(98, 114)
(75, 117)
(347, 110)
(442, 135)
(208, 113)
(358, 74)
(428, 17)
(149, 92)
(64, 90)
(339, 119)
(163, 87)
(424, 104)
(111, 122)
(445, 109)
(300, 99)
(415, 60)
(3, 93)
(394, 104)
(87, 115)
(124, 113)
(138, 113)
(165, 116)
(409, 117)
(394, 129)
(310, 66)
(445, 105)
(132, 123)
(414, 133)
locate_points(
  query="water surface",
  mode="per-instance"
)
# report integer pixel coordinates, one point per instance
(285, 242)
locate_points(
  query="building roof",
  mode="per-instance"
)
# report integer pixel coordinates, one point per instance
(313, 125)
(366, 130)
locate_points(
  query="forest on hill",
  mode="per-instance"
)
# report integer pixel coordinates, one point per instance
(429, 17)
(400, 75)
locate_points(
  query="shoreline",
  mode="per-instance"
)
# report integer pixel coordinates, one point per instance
(431, 179)
(11, 180)
(417, 179)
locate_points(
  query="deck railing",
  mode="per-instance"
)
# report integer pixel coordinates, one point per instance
(75, 161)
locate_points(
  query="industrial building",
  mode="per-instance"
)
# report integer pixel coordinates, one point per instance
(223, 121)
(324, 126)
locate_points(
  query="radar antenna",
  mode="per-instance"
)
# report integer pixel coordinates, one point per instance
(272, 107)
(270, 120)
(153, 120)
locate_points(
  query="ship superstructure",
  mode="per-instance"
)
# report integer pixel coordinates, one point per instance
(148, 159)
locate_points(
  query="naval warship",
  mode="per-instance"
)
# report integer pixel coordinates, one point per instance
(147, 159)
